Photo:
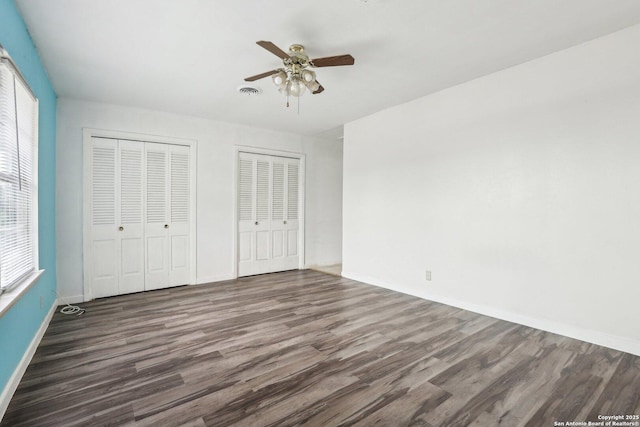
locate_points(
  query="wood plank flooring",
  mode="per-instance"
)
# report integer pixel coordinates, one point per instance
(307, 348)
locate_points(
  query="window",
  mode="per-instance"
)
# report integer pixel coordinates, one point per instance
(18, 177)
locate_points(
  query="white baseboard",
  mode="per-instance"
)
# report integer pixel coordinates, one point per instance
(615, 342)
(321, 264)
(12, 385)
(77, 299)
(211, 279)
(71, 299)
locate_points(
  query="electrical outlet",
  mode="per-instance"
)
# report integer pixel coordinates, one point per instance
(428, 275)
(41, 301)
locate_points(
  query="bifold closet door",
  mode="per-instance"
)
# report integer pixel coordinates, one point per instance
(167, 215)
(117, 253)
(140, 216)
(268, 223)
(284, 214)
(254, 241)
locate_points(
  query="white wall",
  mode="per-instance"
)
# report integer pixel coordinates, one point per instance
(215, 165)
(324, 203)
(520, 191)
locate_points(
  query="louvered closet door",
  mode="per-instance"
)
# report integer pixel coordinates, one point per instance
(117, 263)
(168, 215)
(157, 221)
(179, 215)
(284, 220)
(268, 198)
(246, 214)
(131, 226)
(104, 226)
(254, 223)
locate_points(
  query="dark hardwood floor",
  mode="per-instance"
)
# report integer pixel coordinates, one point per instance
(307, 348)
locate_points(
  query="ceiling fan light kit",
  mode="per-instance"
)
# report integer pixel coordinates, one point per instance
(296, 77)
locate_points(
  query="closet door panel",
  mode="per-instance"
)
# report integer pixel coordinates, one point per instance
(132, 266)
(278, 213)
(156, 195)
(262, 224)
(245, 246)
(262, 245)
(246, 213)
(292, 244)
(293, 214)
(254, 223)
(179, 215)
(268, 226)
(179, 253)
(131, 210)
(139, 235)
(104, 218)
(277, 238)
(105, 268)
(288, 224)
(156, 252)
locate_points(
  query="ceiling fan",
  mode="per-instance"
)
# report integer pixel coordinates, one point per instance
(296, 77)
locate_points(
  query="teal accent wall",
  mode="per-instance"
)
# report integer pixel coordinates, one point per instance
(19, 325)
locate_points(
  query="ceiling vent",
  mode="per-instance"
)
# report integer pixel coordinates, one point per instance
(249, 90)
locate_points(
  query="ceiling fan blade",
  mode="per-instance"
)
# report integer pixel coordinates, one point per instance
(273, 49)
(261, 76)
(333, 61)
(319, 90)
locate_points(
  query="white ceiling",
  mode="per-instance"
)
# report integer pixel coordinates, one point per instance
(189, 56)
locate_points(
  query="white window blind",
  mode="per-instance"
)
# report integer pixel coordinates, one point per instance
(18, 178)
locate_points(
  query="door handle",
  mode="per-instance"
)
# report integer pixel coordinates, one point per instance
(284, 222)
(256, 222)
(166, 226)
(121, 228)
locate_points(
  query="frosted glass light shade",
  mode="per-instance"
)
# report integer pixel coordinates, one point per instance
(279, 78)
(308, 76)
(295, 86)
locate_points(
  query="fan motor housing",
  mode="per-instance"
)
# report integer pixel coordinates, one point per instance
(297, 57)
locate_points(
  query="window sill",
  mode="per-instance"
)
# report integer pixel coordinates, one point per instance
(9, 298)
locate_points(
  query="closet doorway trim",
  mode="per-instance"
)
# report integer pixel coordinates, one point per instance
(87, 135)
(302, 189)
